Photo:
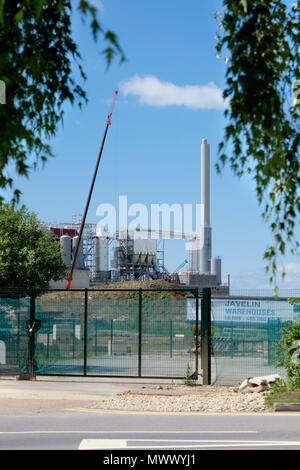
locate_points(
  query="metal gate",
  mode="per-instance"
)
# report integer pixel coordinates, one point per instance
(102, 332)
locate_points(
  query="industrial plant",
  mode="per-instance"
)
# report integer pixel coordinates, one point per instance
(138, 255)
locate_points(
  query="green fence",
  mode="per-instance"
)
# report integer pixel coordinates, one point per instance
(141, 333)
(98, 332)
(14, 341)
(245, 336)
(241, 335)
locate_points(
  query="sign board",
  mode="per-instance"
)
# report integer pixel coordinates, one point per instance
(241, 310)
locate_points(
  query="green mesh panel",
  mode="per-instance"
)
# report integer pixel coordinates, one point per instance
(13, 334)
(243, 349)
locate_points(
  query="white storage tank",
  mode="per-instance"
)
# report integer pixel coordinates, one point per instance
(216, 269)
(101, 251)
(65, 243)
(97, 254)
(79, 264)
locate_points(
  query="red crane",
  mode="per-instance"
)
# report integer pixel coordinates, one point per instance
(108, 122)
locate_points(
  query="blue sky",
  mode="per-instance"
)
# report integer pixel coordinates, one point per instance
(152, 152)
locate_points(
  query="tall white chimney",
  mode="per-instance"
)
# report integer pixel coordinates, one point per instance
(205, 228)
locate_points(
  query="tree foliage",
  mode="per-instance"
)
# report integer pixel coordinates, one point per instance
(289, 352)
(260, 40)
(37, 53)
(29, 258)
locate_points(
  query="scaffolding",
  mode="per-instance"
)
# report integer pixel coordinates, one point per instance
(88, 237)
(88, 243)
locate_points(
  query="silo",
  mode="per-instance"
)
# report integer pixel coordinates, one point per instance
(65, 243)
(104, 253)
(97, 254)
(79, 259)
(216, 269)
(101, 251)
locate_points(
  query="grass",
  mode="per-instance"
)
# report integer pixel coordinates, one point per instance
(189, 380)
(283, 397)
(282, 393)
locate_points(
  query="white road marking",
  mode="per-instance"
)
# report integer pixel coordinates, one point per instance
(97, 444)
(108, 444)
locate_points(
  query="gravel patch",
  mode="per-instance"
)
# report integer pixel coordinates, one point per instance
(208, 399)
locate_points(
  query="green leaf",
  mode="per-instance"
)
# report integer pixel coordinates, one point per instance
(37, 58)
(38, 5)
(19, 15)
(262, 40)
(245, 5)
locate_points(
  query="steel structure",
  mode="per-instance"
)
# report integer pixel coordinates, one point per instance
(88, 236)
(129, 264)
(72, 229)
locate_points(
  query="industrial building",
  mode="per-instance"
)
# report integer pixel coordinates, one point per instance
(134, 258)
(137, 254)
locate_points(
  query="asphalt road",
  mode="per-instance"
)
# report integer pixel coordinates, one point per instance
(92, 429)
(65, 420)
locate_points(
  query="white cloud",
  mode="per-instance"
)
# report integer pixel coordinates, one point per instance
(290, 268)
(258, 280)
(292, 275)
(154, 92)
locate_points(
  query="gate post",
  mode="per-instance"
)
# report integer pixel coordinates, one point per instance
(33, 326)
(196, 293)
(85, 331)
(140, 334)
(206, 335)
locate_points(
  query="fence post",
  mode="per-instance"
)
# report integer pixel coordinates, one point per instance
(111, 351)
(140, 333)
(33, 325)
(18, 338)
(206, 335)
(31, 335)
(73, 341)
(171, 338)
(85, 331)
(197, 334)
